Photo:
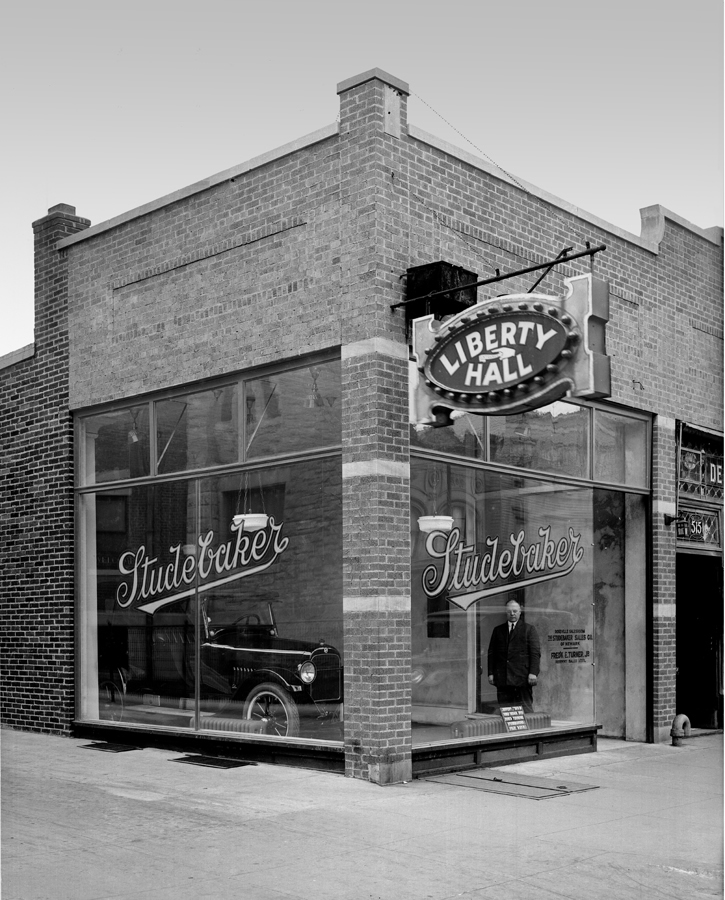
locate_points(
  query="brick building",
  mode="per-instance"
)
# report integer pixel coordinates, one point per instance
(244, 346)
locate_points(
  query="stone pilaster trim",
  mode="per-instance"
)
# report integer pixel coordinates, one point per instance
(377, 345)
(665, 423)
(378, 467)
(664, 508)
(372, 75)
(384, 604)
(664, 610)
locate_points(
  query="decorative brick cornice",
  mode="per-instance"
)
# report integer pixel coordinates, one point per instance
(249, 237)
(707, 329)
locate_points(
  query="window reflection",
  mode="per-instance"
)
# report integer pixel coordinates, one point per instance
(291, 411)
(565, 554)
(116, 445)
(191, 622)
(464, 437)
(554, 438)
(620, 449)
(139, 660)
(197, 430)
(282, 413)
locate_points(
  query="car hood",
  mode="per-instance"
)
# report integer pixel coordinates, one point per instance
(234, 640)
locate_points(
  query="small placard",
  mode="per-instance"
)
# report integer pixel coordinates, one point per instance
(513, 718)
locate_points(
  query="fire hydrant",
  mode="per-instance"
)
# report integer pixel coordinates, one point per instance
(680, 729)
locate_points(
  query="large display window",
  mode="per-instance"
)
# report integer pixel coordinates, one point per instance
(212, 601)
(562, 438)
(564, 563)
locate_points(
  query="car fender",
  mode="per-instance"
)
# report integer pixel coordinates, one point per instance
(252, 679)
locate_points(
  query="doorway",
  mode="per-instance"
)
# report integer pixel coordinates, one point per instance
(699, 639)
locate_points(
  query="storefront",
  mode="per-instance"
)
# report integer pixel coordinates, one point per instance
(210, 577)
(283, 519)
(566, 547)
(699, 577)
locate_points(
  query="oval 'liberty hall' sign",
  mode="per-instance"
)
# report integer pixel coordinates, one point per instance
(512, 354)
(499, 348)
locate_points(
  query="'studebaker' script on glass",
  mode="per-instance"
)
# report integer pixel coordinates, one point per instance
(244, 555)
(469, 576)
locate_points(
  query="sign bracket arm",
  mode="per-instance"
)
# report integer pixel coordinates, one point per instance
(560, 258)
(590, 251)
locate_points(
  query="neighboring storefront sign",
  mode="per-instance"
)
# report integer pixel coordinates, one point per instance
(512, 354)
(714, 470)
(700, 489)
(700, 527)
(701, 473)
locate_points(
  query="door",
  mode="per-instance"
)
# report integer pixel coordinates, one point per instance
(699, 639)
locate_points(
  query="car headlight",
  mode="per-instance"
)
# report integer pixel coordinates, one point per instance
(308, 672)
(417, 676)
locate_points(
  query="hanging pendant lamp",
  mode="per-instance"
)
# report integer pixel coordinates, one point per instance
(435, 523)
(248, 520)
(251, 521)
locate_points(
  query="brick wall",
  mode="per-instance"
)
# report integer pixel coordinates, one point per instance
(36, 504)
(663, 676)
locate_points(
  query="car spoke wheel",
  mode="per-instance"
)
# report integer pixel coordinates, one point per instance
(110, 701)
(272, 704)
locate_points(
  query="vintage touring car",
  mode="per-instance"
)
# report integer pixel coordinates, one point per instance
(248, 672)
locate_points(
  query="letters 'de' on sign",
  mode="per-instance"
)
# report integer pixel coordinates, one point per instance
(512, 354)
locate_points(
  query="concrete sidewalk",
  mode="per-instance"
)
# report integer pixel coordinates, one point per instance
(86, 825)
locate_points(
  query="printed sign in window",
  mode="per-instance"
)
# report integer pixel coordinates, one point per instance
(513, 718)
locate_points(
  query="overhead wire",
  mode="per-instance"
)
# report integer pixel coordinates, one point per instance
(454, 231)
(568, 225)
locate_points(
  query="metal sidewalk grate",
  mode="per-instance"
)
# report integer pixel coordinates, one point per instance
(212, 762)
(109, 748)
(498, 781)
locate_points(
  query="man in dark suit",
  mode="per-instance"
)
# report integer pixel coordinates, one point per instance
(514, 653)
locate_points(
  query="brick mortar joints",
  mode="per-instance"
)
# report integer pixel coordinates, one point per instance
(506, 246)
(251, 237)
(707, 329)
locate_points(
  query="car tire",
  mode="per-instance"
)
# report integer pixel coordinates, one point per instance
(270, 703)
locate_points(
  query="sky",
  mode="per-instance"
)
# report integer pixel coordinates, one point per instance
(106, 106)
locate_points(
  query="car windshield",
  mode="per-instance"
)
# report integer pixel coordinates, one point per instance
(222, 611)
